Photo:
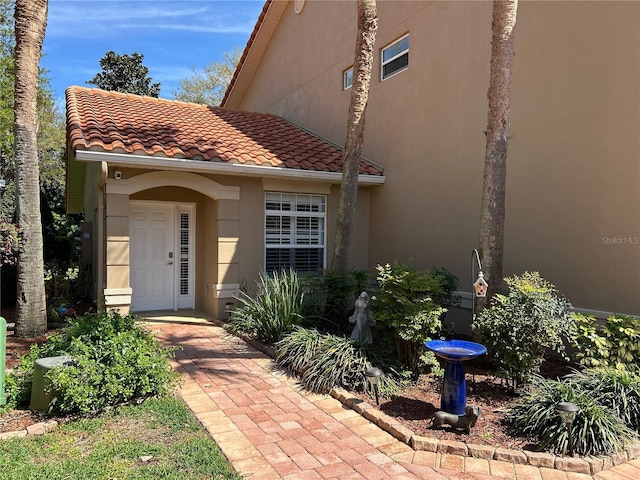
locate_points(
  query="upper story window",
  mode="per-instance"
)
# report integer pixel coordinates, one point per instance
(395, 57)
(295, 233)
(347, 78)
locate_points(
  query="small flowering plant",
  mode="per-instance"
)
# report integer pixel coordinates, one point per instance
(10, 242)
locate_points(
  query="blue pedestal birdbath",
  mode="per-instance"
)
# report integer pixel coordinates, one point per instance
(455, 352)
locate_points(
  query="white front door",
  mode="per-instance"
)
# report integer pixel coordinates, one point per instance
(160, 256)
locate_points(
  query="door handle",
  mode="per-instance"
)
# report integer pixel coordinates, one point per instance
(169, 263)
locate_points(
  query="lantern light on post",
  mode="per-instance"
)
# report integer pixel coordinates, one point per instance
(567, 412)
(373, 375)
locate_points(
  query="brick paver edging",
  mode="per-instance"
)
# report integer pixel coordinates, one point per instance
(585, 465)
(39, 428)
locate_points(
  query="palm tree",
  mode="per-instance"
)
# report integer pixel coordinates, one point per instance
(492, 214)
(365, 40)
(30, 26)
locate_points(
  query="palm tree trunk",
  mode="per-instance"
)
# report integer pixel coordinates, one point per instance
(492, 216)
(30, 25)
(367, 27)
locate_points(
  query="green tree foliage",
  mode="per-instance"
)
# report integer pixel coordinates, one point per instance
(520, 327)
(10, 241)
(207, 87)
(125, 73)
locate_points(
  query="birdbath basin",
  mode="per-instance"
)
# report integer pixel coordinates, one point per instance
(455, 352)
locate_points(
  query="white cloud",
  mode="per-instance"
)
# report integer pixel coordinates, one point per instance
(82, 19)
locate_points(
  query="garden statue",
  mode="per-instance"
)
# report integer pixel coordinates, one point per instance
(465, 422)
(362, 319)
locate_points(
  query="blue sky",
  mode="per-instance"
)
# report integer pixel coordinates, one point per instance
(173, 36)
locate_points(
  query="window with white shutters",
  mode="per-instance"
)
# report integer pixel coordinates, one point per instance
(295, 232)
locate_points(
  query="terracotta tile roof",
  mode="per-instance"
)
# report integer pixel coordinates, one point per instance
(125, 123)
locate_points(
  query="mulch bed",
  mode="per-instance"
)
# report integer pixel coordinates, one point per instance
(16, 347)
(415, 407)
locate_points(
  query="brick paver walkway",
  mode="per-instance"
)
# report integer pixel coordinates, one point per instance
(268, 428)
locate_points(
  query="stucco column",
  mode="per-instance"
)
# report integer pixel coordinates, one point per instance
(117, 291)
(227, 269)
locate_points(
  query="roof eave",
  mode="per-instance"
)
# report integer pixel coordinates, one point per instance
(222, 168)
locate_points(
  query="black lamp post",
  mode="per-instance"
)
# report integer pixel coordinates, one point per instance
(373, 376)
(567, 412)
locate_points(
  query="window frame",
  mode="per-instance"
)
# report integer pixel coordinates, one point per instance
(320, 233)
(344, 78)
(383, 62)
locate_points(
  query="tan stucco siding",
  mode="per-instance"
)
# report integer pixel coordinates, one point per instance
(573, 183)
(230, 233)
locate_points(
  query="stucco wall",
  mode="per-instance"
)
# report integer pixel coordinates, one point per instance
(573, 191)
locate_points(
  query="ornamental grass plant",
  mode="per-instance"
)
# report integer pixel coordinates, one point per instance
(597, 430)
(274, 311)
(326, 360)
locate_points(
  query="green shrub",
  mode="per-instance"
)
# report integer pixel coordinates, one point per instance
(325, 360)
(115, 361)
(405, 303)
(518, 328)
(596, 428)
(274, 311)
(615, 343)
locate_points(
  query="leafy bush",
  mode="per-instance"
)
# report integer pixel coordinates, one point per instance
(324, 361)
(405, 303)
(596, 428)
(615, 343)
(274, 311)
(519, 327)
(115, 361)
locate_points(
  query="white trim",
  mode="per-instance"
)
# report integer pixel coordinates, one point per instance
(117, 297)
(118, 291)
(189, 209)
(344, 78)
(227, 290)
(201, 166)
(145, 181)
(466, 299)
(270, 185)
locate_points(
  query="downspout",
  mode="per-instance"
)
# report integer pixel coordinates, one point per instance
(101, 240)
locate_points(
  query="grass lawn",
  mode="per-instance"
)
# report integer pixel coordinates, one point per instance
(110, 447)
